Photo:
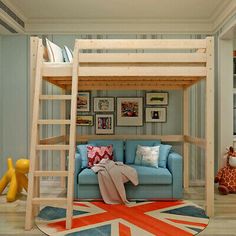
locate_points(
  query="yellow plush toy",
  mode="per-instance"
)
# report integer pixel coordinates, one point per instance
(16, 177)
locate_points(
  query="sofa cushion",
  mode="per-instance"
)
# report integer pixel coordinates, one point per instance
(131, 147)
(82, 150)
(149, 175)
(163, 154)
(118, 147)
(87, 176)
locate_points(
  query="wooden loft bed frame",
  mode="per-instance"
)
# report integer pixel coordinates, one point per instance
(120, 69)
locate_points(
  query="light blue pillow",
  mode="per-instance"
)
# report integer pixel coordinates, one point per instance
(82, 149)
(163, 154)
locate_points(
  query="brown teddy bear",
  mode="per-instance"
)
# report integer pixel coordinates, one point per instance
(226, 176)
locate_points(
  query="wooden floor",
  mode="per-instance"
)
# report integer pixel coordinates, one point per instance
(12, 215)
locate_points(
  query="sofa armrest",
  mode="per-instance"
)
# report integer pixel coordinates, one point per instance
(175, 166)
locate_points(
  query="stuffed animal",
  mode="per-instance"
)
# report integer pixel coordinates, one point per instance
(16, 177)
(226, 176)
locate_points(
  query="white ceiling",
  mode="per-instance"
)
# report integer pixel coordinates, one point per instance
(119, 9)
(119, 16)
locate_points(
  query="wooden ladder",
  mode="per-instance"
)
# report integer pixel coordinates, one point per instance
(33, 198)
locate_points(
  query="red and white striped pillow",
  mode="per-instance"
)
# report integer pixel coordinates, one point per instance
(96, 154)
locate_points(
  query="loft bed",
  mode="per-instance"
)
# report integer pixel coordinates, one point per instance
(163, 65)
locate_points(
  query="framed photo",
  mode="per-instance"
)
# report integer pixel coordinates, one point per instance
(129, 111)
(84, 120)
(104, 124)
(103, 104)
(83, 101)
(158, 98)
(155, 114)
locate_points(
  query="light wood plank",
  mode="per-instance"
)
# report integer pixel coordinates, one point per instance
(53, 140)
(50, 173)
(142, 71)
(142, 57)
(141, 44)
(54, 122)
(209, 159)
(72, 138)
(53, 147)
(199, 142)
(55, 97)
(164, 138)
(186, 132)
(34, 136)
(51, 201)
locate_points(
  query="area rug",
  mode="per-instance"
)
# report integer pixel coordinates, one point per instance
(162, 218)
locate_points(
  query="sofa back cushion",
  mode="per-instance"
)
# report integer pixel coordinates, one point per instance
(82, 150)
(118, 147)
(131, 147)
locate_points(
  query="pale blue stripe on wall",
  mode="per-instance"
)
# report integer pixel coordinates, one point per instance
(14, 94)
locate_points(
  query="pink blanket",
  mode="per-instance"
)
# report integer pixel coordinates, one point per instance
(111, 178)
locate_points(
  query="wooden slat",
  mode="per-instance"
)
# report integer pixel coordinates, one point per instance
(142, 58)
(52, 140)
(57, 69)
(51, 173)
(209, 159)
(54, 122)
(142, 71)
(34, 136)
(199, 142)
(186, 132)
(141, 44)
(164, 138)
(51, 201)
(53, 147)
(55, 97)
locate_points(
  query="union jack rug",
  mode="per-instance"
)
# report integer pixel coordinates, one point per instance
(161, 218)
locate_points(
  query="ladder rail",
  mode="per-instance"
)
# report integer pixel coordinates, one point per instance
(34, 136)
(72, 139)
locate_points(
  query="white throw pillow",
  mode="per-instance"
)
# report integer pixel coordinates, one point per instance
(69, 54)
(54, 52)
(147, 156)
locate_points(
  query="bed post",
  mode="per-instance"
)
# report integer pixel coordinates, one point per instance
(209, 156)
(186, 133)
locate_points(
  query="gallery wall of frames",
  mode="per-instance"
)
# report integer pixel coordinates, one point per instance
(106, 113)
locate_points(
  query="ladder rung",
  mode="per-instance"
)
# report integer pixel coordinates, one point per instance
(55, 97)
(38, 201)
(53, 147)
(54, 122)
(50, 173)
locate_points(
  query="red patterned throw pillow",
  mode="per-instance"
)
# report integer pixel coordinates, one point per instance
(96, 154)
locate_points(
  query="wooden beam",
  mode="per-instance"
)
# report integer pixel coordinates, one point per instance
(53, 140)
(186, 132)
(51, 173)
(51, 201)
(164, 138)
(209, 158)
(53, 147)
(141, 44)
(142, 58)
(142, 71)
(199, 142)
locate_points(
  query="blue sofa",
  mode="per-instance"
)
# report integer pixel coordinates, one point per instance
(164, 182)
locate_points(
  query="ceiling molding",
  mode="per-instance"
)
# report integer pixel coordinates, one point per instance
(219, 20)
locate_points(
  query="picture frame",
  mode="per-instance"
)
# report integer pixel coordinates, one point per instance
(156, 114)
(104, 124)
(84, 120)
(129, 111)
(103, 104)
(157, 98)
(83, 101)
